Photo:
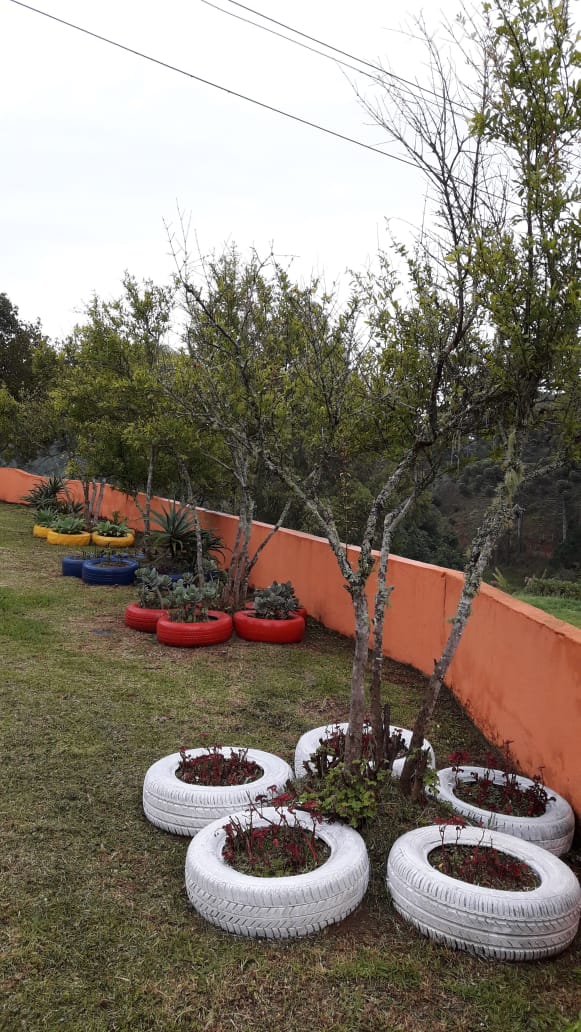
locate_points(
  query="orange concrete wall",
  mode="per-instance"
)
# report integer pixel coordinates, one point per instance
(517, 670)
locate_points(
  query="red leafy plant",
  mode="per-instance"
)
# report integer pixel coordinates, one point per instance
(268, 846)
(479, 864)
(214, 767)
(331, 750)
(505, 796)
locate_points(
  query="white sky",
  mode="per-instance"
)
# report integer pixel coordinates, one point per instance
(101, 147)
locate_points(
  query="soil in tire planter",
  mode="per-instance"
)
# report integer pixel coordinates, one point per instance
(275, 856)
(484, 866)
(500, 798)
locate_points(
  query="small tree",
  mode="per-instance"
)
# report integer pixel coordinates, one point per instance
(525, 262)
(237, 335)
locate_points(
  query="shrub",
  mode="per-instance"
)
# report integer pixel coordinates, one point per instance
(550, 586)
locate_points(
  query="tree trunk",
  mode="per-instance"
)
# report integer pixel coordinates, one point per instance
(382, 595)
(495, 521)
(236, 586)
(353, 746)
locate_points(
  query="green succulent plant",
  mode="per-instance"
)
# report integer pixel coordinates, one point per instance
(276, 602)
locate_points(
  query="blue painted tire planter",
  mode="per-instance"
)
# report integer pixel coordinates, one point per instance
(122, 572)
(72, 566)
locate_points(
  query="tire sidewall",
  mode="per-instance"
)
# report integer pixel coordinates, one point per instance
(141, 619)
(191, 635)
(281, 632)
(284, 907)
(509, 925)
(553, 829)
(166, 797)
(122, 573)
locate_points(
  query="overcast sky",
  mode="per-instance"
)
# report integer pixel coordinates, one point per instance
(101, 148)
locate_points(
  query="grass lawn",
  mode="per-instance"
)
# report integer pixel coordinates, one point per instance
(568, 609)
(97, 933)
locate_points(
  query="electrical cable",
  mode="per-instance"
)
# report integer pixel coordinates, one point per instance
(330, 57)
(344, 53)
(223, 89)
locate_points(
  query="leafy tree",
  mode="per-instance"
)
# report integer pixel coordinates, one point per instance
(524, 260)
(18, 341)
(110, 399)
(28, 367)
(240, 338)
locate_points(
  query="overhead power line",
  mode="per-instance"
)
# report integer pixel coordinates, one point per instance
(216, 86)
(344, 53)
(377, 78)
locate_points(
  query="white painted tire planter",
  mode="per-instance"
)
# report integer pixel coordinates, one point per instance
(310, 741)
(183, 809)
(488, 922)
(553, 829)
(277, 908)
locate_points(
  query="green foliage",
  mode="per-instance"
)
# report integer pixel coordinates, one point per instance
(500, 581)
(178, 540)
(349, 792)
(46, 517)
(18, 341)
(428, 536)
(153, 588)
(550, 586)
(178, 529)
(47, 494)
(187, 602)
(112, 528)
(69, 525)
(275, 602)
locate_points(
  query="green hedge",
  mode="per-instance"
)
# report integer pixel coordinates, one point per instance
(552, 586)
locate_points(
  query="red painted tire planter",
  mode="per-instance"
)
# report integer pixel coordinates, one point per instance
(142, 619)
(121, 573)
(281, 632)
(191, 635)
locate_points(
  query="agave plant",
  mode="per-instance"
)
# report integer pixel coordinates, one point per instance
(111, 528)
(178, 529)
(178, 538)
(45, 517)
(46, 495)
(69, 524)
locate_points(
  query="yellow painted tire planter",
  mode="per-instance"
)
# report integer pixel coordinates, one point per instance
(54, 538)
(113, 542)
(39, 532)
